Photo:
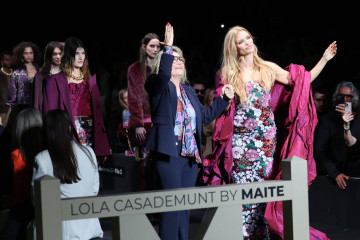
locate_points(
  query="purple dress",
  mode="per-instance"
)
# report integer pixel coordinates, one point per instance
(80, 98)
(20, 88)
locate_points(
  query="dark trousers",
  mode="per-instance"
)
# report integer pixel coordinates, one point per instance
(178, 172)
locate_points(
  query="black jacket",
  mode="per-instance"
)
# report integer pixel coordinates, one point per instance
(330, 151)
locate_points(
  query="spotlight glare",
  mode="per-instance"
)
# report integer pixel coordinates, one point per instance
(222, 25)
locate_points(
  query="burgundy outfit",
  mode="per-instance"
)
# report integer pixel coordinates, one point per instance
(138, 102)
(56, 94)
(80, 98)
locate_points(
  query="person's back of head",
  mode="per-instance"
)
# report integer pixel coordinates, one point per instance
(58, 140)
(27, 132)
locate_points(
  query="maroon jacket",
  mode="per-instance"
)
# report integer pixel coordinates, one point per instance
(56, 95)
(139, 106)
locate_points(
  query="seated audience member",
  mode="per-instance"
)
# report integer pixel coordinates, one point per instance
(25, 143)
(353, 164)
(76, 167)
(5, 151)
(119, 114)
(321, 100)
(199, 88)
(331, 152)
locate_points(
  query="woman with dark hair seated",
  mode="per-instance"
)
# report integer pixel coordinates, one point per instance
(76, 167)
(19, 144)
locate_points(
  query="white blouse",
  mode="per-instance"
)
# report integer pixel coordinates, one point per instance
(87, 186)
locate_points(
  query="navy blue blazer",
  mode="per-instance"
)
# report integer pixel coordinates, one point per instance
(163, 102)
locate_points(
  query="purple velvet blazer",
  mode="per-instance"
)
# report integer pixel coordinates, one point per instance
(56, 95)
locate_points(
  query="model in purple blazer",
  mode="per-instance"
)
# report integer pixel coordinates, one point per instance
(75, 91)
(56, 95)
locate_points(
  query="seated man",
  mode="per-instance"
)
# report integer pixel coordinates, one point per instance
(330, 150)
(321, 99)
(353, 165)
(200, 90)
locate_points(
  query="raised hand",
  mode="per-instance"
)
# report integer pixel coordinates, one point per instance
(169, 35)
(330, 51)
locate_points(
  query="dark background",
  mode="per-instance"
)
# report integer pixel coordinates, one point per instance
(296, 32)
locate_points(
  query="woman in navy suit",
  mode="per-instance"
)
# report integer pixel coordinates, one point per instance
(175, 138)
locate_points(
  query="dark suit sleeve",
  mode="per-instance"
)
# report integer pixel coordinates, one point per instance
(322, 148)
(155, 83)
(213, 111)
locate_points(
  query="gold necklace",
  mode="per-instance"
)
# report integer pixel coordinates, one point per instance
(8, 74)
(51, 73)
(78, 78)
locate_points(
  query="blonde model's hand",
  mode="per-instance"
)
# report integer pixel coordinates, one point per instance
(330, 51)
(228, 91)
(169, 35)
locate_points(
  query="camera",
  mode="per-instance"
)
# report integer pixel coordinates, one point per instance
(340, 99)
(348, 107)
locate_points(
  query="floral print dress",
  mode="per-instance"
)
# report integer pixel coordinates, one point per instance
(253, 146)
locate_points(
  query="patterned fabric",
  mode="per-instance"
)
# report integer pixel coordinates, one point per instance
(185, 126)
(84, 129)
(125, 115)
(20, 88)
(80, 98)
(168, 50)
(253, 146)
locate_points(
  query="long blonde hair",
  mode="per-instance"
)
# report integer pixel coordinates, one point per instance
(231, 71)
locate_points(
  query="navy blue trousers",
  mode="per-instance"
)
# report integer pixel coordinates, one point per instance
(178, 172)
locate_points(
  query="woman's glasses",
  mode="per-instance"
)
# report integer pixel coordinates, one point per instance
(181, 59)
